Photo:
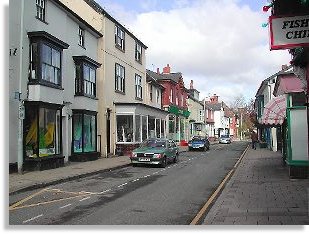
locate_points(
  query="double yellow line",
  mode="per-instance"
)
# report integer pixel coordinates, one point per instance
(200, 214)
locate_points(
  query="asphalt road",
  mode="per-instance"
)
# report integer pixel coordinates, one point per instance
(131, 196)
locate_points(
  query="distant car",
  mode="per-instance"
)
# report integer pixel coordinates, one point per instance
(225, 139)
(158, 151)
(199, 142)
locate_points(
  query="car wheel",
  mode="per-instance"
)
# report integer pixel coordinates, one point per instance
(207, 148)
(176, 158)
(164, 162)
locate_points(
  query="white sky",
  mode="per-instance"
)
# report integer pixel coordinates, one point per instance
(220, 44)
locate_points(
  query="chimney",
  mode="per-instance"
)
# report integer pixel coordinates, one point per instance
(191, 84)
(284, 67)
(214, 99)
(158, 70)
(167, 69)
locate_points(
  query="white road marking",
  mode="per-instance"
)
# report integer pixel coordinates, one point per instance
(122, 185)
(146, 176)
(65, 206)
(28, 220)
(84, 199)
(155, 173)
(105, 191)
(135, 180)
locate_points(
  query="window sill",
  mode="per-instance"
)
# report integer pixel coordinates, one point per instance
(87, 96)
(139, 99)
(43, 21)
(50, 85)
(82, 46)
(139, 61)
(119, 48)
(120, 92)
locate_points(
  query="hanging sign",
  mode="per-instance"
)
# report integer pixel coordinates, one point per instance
(289, 32)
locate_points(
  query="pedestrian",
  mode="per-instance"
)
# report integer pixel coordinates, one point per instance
(254, 139)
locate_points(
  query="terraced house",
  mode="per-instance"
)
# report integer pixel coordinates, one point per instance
(53, 85)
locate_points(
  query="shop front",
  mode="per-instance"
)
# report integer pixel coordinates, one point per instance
(178, 124)
(42, 136)
(135, 123)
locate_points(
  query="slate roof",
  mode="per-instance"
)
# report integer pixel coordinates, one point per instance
(172, 76)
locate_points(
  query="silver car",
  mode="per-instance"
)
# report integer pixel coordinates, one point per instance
(225, 139)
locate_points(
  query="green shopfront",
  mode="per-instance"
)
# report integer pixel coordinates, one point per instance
(178, 123)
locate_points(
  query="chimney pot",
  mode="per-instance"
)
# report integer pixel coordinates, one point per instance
(158, 70)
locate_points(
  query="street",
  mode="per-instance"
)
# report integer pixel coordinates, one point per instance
(144, 195)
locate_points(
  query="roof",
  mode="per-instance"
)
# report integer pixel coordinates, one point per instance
(172, 76)
(150, 78)
(99, 9)
(214, 106)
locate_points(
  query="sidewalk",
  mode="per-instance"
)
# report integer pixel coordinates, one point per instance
(261, 192)
(74, 170)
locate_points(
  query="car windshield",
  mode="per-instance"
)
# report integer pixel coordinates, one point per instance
(197, 138)
(225, 136)
(154, 143)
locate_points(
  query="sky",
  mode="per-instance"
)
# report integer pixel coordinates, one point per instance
(219, 44)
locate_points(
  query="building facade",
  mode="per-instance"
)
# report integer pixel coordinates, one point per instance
(53, 78)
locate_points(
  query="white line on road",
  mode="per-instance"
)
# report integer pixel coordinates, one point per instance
(135, 180)
(84, 199)
(105, 191)
(122, 185)
(155, 173)
(65, 206)
(28, 220)
(146, 176)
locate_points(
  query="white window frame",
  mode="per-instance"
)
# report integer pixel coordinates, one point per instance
(81, 36)
(158, 95)
(40, 9)
(138, 87)
(138, 52)
(119, 37)
(119, 78)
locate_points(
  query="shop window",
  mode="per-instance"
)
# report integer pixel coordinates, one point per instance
(151, 127)
(162, 128)
(84, 132)
(124, 128)
(144, 128)
(158, 128)
(42, 131)
(172, 124)
(137, 128)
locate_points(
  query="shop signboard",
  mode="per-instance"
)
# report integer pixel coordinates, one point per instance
(177, 111)
(289, 32)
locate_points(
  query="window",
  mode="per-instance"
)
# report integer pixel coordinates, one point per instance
(144, 127)
(124, 128)
(40, 9)
(85, 76)
(119, 37)
(138, 87)
(51, 67)
(201, 114)
(138, 52)
(151, 127)
(150, 94)
(81, 36)
(171, 96)
(158, 96)
(158, 128)
(45, 59)
(42, 130)
(84, 131)
(120, 78)
(137, 128)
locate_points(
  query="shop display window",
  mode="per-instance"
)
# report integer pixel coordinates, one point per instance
(42, 131)
(158, 128)
(151, 127)
(144, 128)
(124, 128)
(138, 128)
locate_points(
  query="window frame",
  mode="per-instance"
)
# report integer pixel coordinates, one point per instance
(138, 52)
(41, 10)
(83, 113)
(122, 83)
(81, 37)
(119, 38)
(138, 87)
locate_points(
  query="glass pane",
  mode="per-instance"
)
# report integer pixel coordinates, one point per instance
(47, 132)
(162, 128)
(89, 138)
(124, 128)
(30, 133)
(77, 134)
(92, 75)
(46, 54)
(144, 128)
(56, 58)
(151, 127)
(158, 128)
(137, 128)
(86, 73)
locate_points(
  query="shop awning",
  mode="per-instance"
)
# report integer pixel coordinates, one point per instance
(288, 84)
(275, 111)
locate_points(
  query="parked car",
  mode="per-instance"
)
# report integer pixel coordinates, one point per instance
(158, 151)
(199, 142)
(225, 139)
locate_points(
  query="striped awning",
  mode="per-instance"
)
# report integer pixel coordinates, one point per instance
(275, 111)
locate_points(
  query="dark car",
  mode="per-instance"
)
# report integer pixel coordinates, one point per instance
(199, 142)
(158, 151)
(225, 139)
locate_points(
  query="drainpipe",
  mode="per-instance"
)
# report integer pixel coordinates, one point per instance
(20, 157)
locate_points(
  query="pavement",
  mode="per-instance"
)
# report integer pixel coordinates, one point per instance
(258, 192)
